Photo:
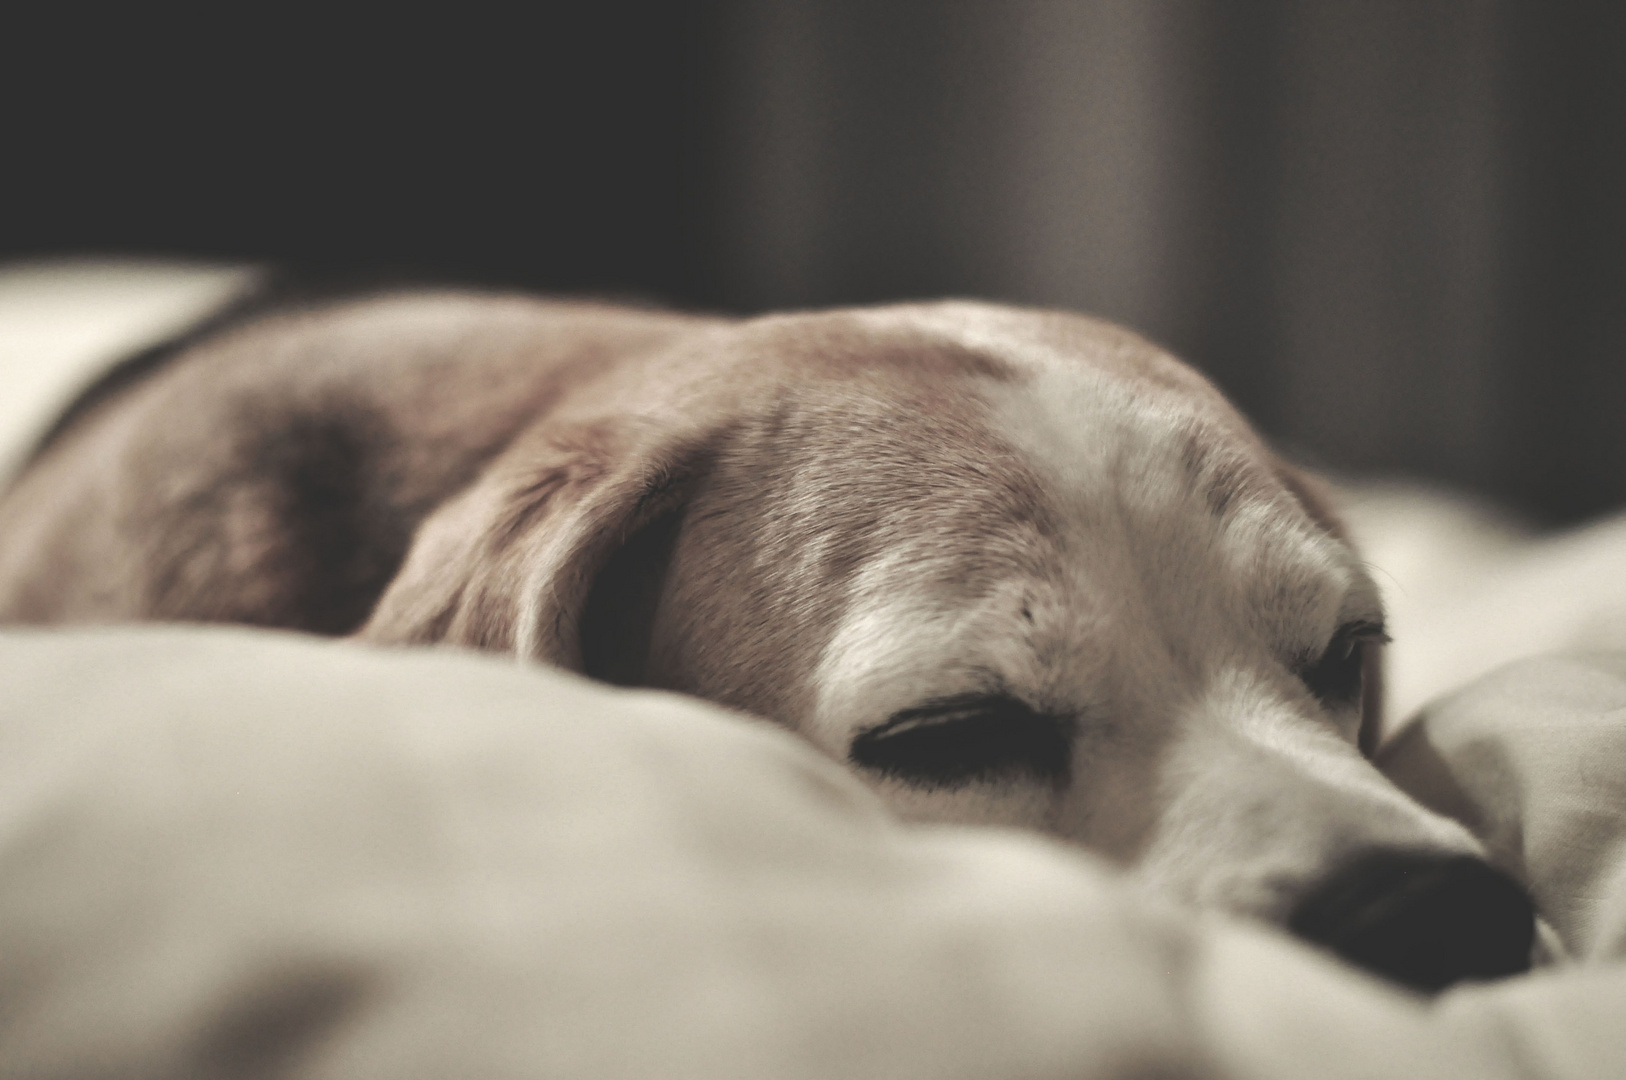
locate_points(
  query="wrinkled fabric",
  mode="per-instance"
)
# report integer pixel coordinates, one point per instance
(230, 853)
(1532, 758)
(64, 322)
(225, 852)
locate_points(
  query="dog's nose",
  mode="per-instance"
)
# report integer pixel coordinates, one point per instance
(1423, 920)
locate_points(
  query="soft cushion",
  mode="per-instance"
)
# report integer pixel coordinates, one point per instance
(231, 853)
(225, 852)
(1532, 758)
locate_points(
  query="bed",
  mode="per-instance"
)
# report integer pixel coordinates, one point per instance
(227, 852)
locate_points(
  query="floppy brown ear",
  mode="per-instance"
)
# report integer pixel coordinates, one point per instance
(510, 563)
(1316, 498)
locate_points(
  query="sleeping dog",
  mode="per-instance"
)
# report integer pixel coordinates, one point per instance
(1013, 566)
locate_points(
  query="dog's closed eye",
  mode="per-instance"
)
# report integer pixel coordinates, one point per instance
(954, 741)
(1335, 677)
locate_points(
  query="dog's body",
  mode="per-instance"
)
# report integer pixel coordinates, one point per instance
(1014, 566)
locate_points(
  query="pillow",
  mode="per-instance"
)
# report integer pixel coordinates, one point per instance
(1532, 758)
(228, 853)
(63, 322)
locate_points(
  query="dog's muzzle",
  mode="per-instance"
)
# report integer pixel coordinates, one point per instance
(1424, 920)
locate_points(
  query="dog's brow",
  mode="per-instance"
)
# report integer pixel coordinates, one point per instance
(1222, 475)
(989, 702)
(974, 701)
(1365, 628)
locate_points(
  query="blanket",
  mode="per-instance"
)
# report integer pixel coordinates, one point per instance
(227, 852)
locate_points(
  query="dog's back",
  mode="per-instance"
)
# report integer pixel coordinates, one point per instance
(272, 468)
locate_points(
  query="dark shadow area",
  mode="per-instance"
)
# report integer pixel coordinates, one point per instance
(551, 146)
(1392, 231)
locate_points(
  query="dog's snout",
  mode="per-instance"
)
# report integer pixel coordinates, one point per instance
(1421, 919)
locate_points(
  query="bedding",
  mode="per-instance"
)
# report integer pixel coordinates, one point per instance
(63, 322)
(227, 852)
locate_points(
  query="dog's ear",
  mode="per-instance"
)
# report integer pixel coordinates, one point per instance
(1316, 498)
(556, 553)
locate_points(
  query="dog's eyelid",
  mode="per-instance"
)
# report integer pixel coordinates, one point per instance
(1353, 634)
(1335, 675)
(1343, 642)
(954, 741)
(1364, 630)
(950, 709)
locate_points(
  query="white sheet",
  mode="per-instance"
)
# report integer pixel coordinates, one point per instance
(225, 852)
(1469, 587)
(62, 322)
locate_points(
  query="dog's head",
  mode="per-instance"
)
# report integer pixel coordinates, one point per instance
(1014, 567)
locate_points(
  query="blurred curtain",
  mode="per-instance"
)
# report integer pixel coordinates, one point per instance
(1392, 231)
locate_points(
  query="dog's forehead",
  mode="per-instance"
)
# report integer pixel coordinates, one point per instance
(1075, 433)
(1158, 513)
(1166, 469)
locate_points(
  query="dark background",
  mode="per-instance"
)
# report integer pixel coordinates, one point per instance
(1393, 231)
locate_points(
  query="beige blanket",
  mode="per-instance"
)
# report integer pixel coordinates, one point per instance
(236, 853)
